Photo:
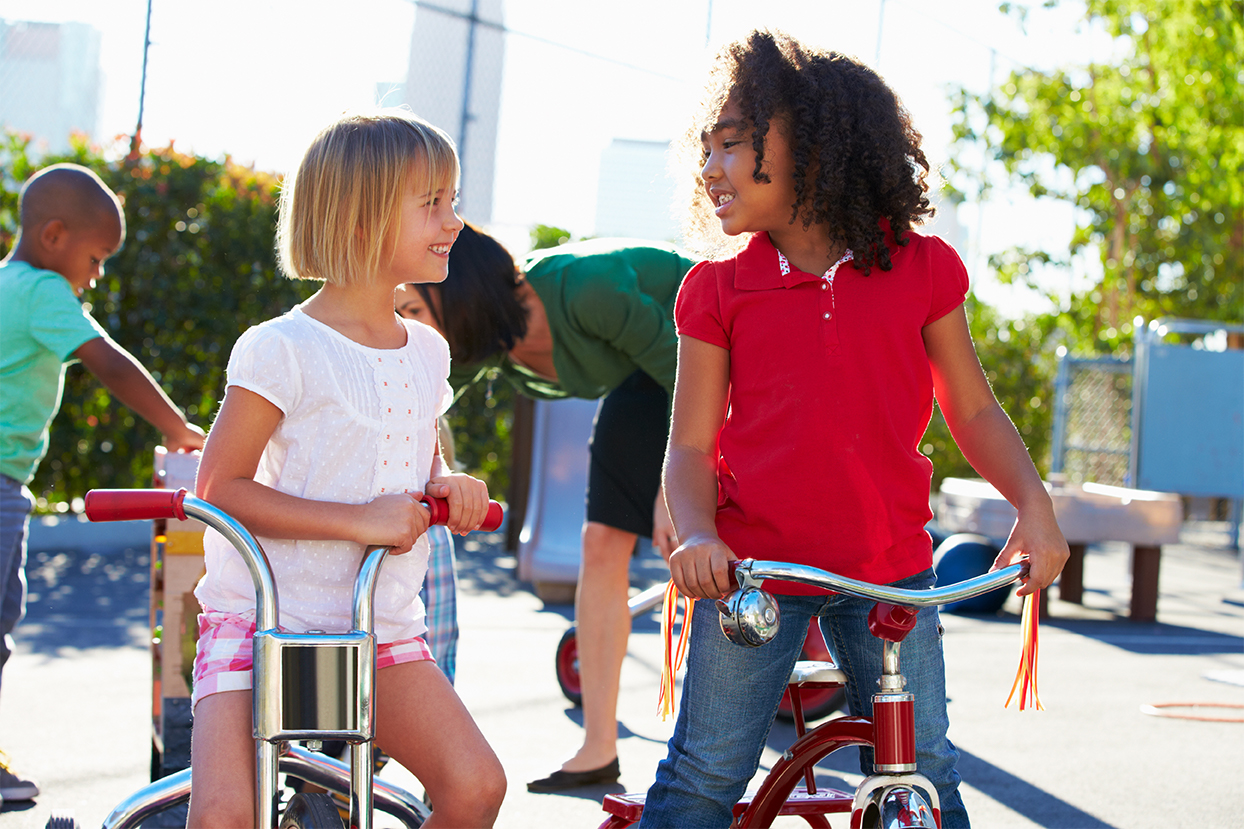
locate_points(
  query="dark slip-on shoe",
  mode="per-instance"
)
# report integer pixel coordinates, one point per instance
(561, 780)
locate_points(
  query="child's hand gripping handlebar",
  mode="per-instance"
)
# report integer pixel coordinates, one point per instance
(135, 504)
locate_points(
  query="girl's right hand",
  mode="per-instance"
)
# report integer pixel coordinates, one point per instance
(700, 567)
(394, 520)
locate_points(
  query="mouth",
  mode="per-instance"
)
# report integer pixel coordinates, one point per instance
(440, 250)
(721, 201)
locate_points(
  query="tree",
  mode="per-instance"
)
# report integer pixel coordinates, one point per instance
(1150, 149)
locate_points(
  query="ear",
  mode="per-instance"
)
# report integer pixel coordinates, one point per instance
(53, 234)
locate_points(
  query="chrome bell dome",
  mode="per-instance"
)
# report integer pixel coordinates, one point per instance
(749, 617)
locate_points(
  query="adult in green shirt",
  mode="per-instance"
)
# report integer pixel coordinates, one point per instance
(593, 320)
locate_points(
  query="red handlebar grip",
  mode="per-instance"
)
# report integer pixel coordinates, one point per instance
(439, 508)
(134, 504)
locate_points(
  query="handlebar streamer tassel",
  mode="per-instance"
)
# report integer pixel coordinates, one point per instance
(674, 656)
(1026, 675)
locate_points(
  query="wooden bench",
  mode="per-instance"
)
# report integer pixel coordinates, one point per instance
(1087, 514)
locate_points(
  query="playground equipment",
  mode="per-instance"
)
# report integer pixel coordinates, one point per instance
(1169, 419)
(1087, 514)
(549, 545)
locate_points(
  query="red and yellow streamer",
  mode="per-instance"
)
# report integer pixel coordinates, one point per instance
(1026, 675)
(674, 656)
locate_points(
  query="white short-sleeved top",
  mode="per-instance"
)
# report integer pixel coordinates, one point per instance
(358, 423)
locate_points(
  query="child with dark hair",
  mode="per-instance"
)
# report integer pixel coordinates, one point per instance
(591, 320)
(71, 224)
(807, 368)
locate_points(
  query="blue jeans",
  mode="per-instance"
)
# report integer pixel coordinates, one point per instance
(731, 694)
(16, 504)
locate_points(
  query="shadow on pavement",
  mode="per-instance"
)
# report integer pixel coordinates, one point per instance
(1038, 806)
(85, 600)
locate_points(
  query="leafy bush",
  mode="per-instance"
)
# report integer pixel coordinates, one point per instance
(197, 268)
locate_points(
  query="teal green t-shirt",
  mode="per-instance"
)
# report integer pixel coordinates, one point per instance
(41, 324)
(610, 307)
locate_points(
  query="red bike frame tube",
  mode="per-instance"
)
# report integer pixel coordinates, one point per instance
(806, 752)
(895, 724)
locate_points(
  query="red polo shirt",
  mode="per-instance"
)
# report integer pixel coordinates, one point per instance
(830, 393)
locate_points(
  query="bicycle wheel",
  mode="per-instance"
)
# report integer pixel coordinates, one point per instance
(566, 662)
(311, 811)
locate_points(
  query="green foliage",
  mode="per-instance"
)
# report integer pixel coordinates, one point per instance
(197, 268)
(1019, 360)
(1149, 149)
(482, 422)
(547, 236)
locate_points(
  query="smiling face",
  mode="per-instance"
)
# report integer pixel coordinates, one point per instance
(426, 230)
(79, 253)
(742, 204)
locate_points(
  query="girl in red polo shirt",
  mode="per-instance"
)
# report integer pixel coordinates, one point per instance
(807, 367)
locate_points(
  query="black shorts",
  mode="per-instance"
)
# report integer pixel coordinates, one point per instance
(627, 450)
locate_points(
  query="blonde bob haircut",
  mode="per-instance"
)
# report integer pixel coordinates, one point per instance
(338, 211)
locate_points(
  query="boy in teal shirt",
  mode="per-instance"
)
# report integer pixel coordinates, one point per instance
(71, 223)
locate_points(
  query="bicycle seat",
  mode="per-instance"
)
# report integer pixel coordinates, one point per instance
(810, 673)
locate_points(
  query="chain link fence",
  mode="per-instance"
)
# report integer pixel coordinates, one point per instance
(1093, 420)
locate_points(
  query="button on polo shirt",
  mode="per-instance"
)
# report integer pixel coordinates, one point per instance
(830, 394)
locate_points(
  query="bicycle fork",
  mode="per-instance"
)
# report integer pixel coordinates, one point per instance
(896, 796)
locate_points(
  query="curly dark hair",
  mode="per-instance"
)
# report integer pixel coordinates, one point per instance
(857, 156)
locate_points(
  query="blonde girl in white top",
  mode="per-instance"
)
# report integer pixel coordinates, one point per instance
(324, 444)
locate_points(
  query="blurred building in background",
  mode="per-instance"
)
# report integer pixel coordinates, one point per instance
(457, 52)
(636, 192)
(50, 81)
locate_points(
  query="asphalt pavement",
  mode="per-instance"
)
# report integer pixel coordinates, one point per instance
(76, 698)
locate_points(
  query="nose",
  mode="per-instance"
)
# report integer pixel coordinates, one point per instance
(711, 169)
(453, 221)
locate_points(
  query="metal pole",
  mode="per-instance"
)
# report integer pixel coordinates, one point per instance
(880, 27)
(465, 118)
(136, 141)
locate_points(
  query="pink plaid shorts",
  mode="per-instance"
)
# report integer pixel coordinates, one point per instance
(223, 655)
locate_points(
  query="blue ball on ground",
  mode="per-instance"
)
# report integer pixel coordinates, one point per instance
(963, 556)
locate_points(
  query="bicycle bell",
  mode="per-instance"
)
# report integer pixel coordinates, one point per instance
(749, 616)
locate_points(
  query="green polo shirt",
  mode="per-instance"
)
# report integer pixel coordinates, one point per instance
(610, 307)
(41, 324)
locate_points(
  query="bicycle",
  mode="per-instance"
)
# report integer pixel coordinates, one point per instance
(895, 795)
(311, 686)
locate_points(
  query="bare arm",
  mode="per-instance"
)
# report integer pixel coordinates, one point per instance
(699, 565)
(226, 479)
(990, 443)
(467, 496)
(125, 377)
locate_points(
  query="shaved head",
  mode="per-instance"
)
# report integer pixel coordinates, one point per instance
(73, 194)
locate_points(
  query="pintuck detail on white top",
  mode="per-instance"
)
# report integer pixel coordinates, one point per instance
(358, 423)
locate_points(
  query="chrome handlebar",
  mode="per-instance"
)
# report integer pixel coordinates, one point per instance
(750, 616)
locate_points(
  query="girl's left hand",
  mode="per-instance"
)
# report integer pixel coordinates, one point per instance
(467, 497)
(1036, 536)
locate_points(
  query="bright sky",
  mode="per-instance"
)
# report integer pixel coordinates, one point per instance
(256, 79)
